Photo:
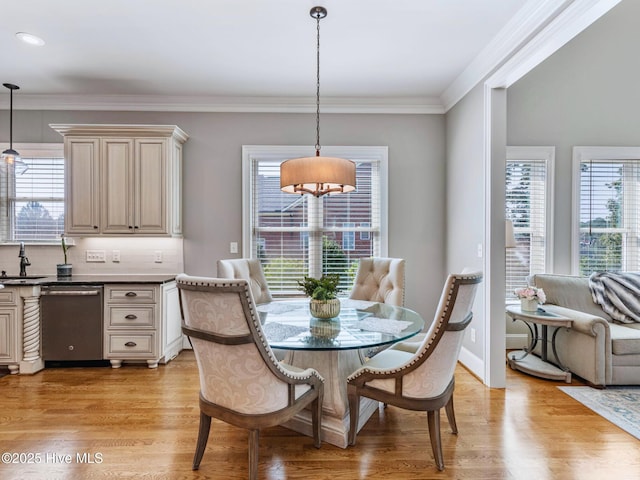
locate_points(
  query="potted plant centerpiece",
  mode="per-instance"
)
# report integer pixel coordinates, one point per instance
(323, 294)
(64, 269)
(530, 297)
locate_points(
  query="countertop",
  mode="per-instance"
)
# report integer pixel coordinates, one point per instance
(92, 279)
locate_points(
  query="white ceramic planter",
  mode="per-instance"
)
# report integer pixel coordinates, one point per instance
(528, 305)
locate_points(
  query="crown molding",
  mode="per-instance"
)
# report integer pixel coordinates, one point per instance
(529, 20)
(539, 29)
(119, 130)
(160, 103)
(564, 27)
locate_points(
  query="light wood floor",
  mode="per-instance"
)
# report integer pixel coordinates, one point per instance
(142, 424)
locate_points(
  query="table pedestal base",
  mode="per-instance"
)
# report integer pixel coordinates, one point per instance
(335, 366)
(334, 430)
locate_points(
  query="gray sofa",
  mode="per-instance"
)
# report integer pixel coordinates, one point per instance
(595, 348)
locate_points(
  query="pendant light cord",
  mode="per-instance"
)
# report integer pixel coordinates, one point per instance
(318, 86)
(10, 119)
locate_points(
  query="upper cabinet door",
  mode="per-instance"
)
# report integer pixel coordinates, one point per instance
(82, 183)
(117, 185)
(150, 212)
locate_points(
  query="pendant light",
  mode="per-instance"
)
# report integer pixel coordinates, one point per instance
(10, 156)
(317, 175)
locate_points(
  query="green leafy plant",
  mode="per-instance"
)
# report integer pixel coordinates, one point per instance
(323, 288)
(64, 248)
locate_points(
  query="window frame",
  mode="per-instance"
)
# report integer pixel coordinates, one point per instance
(250, 153)
(29, 150)
(546, 155)
(584, 154)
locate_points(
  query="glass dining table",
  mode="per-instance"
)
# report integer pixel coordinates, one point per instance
(335, 348)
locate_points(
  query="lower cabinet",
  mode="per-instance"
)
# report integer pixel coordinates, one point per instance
(142, 323)
(9, 334)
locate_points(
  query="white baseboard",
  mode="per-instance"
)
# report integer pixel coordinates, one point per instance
(472, 362)
(515, 341)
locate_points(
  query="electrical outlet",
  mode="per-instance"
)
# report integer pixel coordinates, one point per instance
(95, 255)
(157, 256)
(473, 334)
(479, 250)
(233, 247)
(115, 255)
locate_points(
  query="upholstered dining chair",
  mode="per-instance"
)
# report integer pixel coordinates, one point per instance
(380, 280)
(249, 269)
(423, 380)
(241, 382)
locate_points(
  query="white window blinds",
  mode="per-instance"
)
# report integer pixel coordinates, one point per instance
(609, 215)
(33, 200)
(297, 235)
(528, 187)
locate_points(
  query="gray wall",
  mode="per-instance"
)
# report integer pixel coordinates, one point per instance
(212, 178)
(585, 94)
(466, 201)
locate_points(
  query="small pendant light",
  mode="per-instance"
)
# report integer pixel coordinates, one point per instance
(10, 156)
(317, 175)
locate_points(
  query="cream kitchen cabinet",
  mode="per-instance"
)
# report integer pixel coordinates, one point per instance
(123, 179)
(10, 345)
(141, 323)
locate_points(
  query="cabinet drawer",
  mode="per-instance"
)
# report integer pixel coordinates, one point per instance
(127, 317)
(132, 346)
(131, 294)
(8, 296)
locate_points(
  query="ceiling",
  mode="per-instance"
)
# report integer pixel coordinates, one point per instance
(390, 50)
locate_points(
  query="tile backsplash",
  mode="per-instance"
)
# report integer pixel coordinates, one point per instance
(139, 255)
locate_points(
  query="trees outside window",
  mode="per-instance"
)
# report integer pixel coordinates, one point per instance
(607, 209)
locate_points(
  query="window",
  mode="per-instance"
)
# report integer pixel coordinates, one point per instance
(349, 236)
(365, 235)
(34, 199)
(606, 209)
(528, 201)
(297, 235)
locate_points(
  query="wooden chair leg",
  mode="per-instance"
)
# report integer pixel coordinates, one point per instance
(433, 418)
(354, 413)
(451, 415)
(254, 440)
(316, 420)
(203, 436)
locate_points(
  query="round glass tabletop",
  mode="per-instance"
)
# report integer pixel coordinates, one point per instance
(289, 325)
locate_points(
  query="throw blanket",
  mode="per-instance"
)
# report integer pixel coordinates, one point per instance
(618, 294)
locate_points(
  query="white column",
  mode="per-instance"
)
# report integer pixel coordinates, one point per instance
(32, 361)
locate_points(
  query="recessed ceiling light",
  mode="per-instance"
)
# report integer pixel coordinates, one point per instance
(30, 38)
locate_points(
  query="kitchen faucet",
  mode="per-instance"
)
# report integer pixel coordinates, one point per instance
(24, 261)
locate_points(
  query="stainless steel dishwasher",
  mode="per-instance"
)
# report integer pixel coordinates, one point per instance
(71, 317)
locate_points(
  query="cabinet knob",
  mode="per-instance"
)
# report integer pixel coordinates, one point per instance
(136, 226)
(131, 316)
(130, 344)
(70, 347)
(130, 227)
(131, 294)
(95, 227)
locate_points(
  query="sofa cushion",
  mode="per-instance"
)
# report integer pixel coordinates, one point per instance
(624, 340)
(568, 291)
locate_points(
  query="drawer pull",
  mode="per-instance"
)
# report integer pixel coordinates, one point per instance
(131, 316)
(131, 294)
(130, 344)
